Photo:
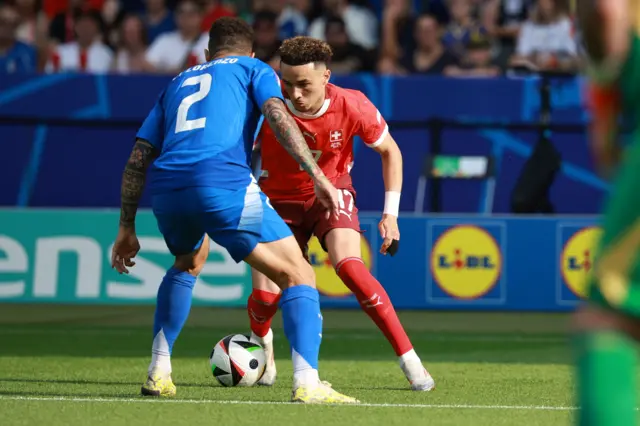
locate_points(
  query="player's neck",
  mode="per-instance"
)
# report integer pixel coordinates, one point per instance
(224, 54)
(317, 107)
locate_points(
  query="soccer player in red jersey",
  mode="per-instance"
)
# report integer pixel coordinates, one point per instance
(330, 117)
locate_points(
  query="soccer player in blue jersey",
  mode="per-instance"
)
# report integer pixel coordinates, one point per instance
(197, 143)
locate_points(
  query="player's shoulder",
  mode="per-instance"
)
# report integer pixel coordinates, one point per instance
(350, 101)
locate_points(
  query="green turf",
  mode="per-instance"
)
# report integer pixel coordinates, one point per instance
(62, 365)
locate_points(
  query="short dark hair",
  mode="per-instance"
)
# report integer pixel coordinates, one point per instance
(230, 35)
(303, 50)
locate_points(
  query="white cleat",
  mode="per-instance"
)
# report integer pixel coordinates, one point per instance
(269, 376)
(418, 376)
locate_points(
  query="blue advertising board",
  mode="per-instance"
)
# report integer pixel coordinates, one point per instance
(466, 262)
(469, 262)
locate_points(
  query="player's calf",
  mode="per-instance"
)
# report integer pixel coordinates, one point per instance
(172, 309)
(606, 344)
(344, 250)
(282, 261)
(261, 307)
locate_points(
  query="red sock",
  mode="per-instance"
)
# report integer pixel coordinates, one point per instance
(374, 301)
(262, 306)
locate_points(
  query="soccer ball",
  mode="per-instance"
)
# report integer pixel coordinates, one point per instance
(236, 361)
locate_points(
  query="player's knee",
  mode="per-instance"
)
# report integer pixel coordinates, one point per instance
(193, 262)
(296, 273)
(592, 318)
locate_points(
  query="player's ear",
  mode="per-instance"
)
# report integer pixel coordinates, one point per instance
(253, 54)
(207, 55)
(327, 75)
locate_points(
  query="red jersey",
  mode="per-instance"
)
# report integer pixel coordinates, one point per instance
(329, 134)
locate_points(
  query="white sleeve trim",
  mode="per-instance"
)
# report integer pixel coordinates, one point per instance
(384, 134)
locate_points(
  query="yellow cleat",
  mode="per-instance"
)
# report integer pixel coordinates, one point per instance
(320, 394)
(158, 384)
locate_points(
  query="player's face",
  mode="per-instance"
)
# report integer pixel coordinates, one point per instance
(305, 85)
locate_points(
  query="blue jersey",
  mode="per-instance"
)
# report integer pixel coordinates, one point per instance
(204, 122)
(20, 58)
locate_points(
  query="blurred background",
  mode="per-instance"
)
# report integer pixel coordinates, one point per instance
(484, 98)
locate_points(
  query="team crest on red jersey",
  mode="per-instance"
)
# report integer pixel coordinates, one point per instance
(335, 138)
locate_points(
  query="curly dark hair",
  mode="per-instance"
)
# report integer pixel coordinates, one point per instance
(230, 35)
(303, 50)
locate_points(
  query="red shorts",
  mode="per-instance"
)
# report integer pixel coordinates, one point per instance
(307, 218)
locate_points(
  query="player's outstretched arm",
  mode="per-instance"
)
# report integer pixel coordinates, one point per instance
(290, 137)
(133, 180)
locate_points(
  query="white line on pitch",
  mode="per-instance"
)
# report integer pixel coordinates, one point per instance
(232, 402)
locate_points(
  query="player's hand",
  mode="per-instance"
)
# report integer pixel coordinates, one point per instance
(124, 250)
(389, 231)
(327, 194)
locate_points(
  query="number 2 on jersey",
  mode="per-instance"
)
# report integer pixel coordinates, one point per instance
(316, 155)
(204, 83)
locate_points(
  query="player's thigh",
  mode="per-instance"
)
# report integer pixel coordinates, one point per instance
(180, 229)
(282, 262)
(616, 282)
(240, 219)
(339, 236)
(261, 282)
(342, 243)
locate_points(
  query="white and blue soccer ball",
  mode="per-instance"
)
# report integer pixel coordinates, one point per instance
(237, 361)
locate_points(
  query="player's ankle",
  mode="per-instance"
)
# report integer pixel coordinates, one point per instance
(409, 356)
(262, 337)
(308, 377)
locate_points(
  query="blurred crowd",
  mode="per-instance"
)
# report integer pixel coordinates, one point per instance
(399, 37)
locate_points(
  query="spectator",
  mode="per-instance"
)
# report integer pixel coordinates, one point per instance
(430, 56)
(291, 21)
(476, 60)
(546, 40)
(361, 24)
(62, 27)
(214, 10)
(15, 56)
(33, 22)
(398, 25)
(347, 57)
(88, 53)
(503, 19)
(132, 41)
(462, 25)
(176, 51)
(158, 19)
(267, 43)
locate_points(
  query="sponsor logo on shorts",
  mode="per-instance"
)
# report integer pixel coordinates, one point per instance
(577, 259)
(466, 262)
(328, 283)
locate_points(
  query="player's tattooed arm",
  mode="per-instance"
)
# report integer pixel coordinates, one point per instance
(288, 134)
(133, 180)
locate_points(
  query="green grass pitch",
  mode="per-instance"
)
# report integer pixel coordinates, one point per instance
(73, 365)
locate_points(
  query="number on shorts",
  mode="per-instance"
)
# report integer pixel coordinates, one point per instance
(182, 124)
(316, 155)
(345, 200)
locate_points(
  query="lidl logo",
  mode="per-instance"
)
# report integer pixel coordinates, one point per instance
(327, 281)
(466, 262)
(577, 259)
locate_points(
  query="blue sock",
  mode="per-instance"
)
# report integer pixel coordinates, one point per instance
(302, 320)
(172, 309)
